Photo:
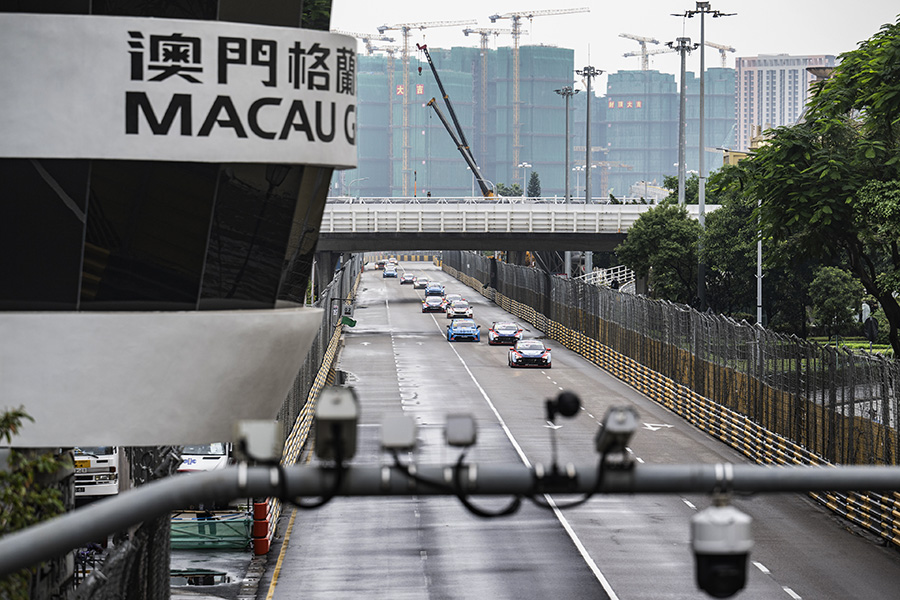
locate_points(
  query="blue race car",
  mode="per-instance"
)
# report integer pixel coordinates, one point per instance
(463, 329)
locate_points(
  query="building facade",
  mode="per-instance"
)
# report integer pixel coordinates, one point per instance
(772, 90)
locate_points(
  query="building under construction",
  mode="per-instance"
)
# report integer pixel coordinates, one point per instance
(634, 135)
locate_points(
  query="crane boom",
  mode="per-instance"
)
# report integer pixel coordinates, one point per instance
(485, 190)
(405, 28)
(459, 129)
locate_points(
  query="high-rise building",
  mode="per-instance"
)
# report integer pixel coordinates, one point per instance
(772, 91)
(485, 113)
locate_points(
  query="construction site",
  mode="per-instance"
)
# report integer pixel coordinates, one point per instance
(510, 102)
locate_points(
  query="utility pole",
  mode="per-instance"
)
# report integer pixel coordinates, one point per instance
(567, 92)
(589, 73)
(681, 45)
(702, 9)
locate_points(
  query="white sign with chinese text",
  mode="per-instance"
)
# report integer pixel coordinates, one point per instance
(165, 89)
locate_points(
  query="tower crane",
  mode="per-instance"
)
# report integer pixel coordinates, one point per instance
(645, 55)
(366, 38)
(405, 28)
(516, 18)
(643, 41)
(722, 50)
(485, 34)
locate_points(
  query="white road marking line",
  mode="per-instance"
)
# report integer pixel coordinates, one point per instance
(562, 519)
(792, 593)
(691, 505)
(639, 459)
(761, 567)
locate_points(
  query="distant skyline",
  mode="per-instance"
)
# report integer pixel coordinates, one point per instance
(795, 27)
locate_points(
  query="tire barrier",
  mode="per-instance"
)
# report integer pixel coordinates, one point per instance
(877, 513)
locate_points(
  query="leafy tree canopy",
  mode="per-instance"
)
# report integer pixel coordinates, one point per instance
(830, 184)
(509, 190)
(662, 246)
(836, 297)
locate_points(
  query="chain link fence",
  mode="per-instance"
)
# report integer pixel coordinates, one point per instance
(839, 405)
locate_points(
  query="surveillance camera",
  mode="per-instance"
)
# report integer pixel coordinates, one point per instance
(619, 424)
(337, 413)
(721, 540)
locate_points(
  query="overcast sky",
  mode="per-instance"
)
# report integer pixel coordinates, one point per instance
(759, 27)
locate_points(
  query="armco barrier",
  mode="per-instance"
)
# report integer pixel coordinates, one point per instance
(266, 514)
(877, 513)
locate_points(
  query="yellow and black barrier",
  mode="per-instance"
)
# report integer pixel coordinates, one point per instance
(877, 513)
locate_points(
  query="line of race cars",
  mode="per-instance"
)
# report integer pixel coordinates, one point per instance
(523, 352)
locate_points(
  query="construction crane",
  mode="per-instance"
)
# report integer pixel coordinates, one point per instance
(722, 50)
(405, 28)
(367, 38)
(462, 144)
(481, 112)
(645, 62)
(644, 53)
(516, 18)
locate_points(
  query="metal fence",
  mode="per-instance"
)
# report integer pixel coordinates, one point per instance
(839, 405)
(137, 567)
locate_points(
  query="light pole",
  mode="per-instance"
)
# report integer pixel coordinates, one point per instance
(681, 45)
(525, 166)
(702, 9)
(350, 186)
(577, 170)
(567, 92)
(588, 72)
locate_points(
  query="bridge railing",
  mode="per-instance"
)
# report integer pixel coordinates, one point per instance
(488, 218)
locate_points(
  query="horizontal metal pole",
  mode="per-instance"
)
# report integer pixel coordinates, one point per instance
(99, 519)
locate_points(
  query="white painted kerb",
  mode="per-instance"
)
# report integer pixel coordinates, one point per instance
(148, 378)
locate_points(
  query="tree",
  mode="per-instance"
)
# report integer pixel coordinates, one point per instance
(27, 495)
(836, 298)
(691, 189)
(509, 191)
(830, 185)
(662, 246)
(729, 247)
(534, 185)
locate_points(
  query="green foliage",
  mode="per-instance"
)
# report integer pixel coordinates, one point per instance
(316, 15)
(534, 185)
(509, 191)
(662, 246)
(829, 186)
(729, 248)
(691, 189)
(836, 298)
(26, 495)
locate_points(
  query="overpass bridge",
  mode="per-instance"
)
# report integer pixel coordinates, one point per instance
(353, 225)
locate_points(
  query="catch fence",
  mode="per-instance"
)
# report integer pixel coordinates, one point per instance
(778, 399)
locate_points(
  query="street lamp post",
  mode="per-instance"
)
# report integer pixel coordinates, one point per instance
(525, 166)
(681, 45)
(350, 186)
(567, 92)
(702, 9)
(589, 73)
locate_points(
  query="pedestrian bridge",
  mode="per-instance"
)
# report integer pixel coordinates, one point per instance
(521, 225)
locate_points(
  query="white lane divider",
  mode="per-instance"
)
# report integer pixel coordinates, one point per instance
(562, 519)
(792, 593)
(761, 567)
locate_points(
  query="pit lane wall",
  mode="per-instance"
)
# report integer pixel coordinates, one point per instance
(776, 399)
